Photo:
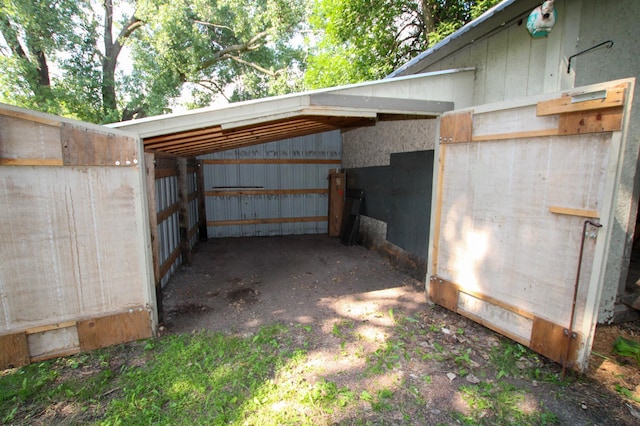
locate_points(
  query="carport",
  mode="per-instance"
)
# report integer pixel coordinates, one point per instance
(272, 156)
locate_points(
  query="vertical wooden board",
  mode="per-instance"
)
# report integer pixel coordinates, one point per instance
(518, 66)
(25, 139)
(202, 207)
(496, 67)
(536, 72)
(84, 147)
(149, 161)
(444, 293)
(114, 329)
(478, 57)
(337, 186)
(13, 351)
(574, 123)
(550, 340)
(456, 127)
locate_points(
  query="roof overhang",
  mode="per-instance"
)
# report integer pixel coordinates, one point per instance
(247, 123)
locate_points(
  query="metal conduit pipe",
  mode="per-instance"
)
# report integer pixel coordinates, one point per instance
(569, 332)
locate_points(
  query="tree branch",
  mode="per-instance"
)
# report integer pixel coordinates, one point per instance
(255, 66)
(254, 43)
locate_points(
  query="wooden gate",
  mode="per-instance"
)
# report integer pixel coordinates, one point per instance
(524, 212)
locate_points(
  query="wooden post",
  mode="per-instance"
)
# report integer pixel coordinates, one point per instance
(202, 208)
(183, 210)
(149, 161)
(336, 201)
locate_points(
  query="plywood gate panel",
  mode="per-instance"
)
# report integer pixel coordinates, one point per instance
(512, 206)
(74, 233)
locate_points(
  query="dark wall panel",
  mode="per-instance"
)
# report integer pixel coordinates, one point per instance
(400, 195)
(412, 177)
(378, 190)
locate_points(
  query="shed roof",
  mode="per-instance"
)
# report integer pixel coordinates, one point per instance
(258, 121)
(502, 14)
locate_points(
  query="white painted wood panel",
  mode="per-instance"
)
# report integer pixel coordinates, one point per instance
(72, 243)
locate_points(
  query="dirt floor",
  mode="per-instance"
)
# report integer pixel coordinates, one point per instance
(238, 285)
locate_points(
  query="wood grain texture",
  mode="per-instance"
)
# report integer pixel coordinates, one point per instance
(444, 293)
(13, 351)
(550, 340)
(114, 329)
(615, 97)
(575, 123)
(83, 147)
(456, 128)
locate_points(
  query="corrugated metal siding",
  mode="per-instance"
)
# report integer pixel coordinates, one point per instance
(168, 230)
(167, 195)
(322, 146)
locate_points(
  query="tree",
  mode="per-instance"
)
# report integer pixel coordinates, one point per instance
(367, 39)
(65, 56)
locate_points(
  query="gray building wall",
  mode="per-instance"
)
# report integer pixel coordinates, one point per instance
(510, 64)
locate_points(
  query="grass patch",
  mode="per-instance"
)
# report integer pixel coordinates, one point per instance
(500, 404)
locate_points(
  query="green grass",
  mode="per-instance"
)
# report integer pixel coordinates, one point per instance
(500, 404)
(214, 379)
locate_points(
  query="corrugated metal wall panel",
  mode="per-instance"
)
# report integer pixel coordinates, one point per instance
(269, 176)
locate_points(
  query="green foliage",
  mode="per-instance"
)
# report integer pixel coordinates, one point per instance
(628, 348)
(64, 57)
(358, 40)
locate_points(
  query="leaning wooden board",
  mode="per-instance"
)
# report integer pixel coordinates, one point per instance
(516, 184)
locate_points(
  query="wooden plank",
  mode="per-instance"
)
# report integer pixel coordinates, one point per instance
(551, 340)
(271, 161)
(192, 231)
(515, 135)
(49, 327)
(163, 173)
(243, 192)
(150, 169)
(444, 293)
(166, 213)
(183, 210)
(438, 210)
(614, 98)
(35, 118)
(267, 221)
(83, 147)
(456, 128)
(13, 351)
(28, 140)
(575, 123)
(337, 185)
(202, 208)
(57, 354)
(164, 268)
(30, 162)
(114, 329)
(594, 214)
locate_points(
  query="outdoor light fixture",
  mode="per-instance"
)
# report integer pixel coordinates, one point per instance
(542, 19)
